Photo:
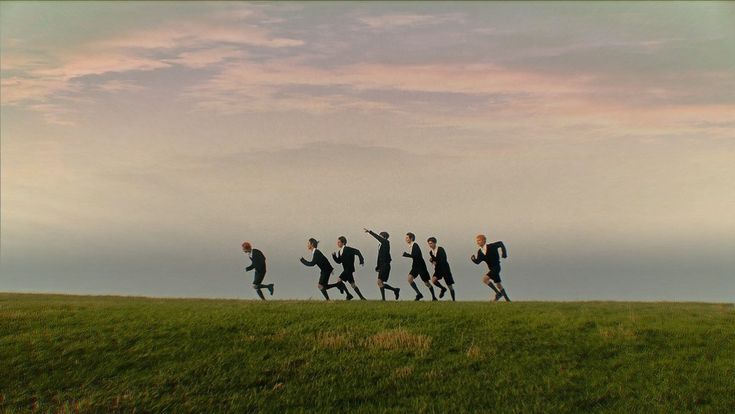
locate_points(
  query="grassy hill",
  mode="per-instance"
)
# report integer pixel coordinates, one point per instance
(119, 354)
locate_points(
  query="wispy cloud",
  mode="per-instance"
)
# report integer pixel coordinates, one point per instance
(201, 58)
(38, 79)
(192, 34)
(248, 86)
(117, 85)
(398, 20)
(239, 64)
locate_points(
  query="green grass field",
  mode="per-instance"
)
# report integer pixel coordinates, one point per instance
(120, 354)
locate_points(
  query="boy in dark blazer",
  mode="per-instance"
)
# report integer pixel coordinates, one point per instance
(326, 269)
(418, 267)
(438, 257)
(345, 255)
(383, 266)
(258, 264)
(488, 253)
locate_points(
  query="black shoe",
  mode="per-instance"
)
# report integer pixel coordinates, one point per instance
(419, 297)
(434, 299)
(341, 288)
(497, 297)
(270, 289)
(441, 294)
(362, 298)
(397, 291)
(349, 297)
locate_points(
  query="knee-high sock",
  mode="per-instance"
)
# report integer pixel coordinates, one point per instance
(416, 288)
(431, 289)
(505, 294)
(357, 290)
(492, 286)
(262, 286)
(451, 291)
(260, 293)
(389, 287)
(382, 293)
(333, 285)
(439, 285)
(324, 292)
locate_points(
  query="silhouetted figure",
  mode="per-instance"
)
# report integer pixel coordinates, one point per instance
(418, 267)
(346, 257)
(488, 253)
(438, 257)
(258, 263)
(383, 266)
(318, 259)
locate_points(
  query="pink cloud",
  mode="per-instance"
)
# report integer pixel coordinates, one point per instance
(207, 57)
(198, 34)
(255, 86)
(550, 101)
(16, 90)
(40, 79)
(38, 85)
(388, 21)
(114, 86)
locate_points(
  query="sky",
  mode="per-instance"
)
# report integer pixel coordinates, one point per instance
(142, 143)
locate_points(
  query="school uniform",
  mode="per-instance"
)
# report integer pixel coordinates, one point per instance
(318, 259)
(258, 263)
(346, 257)
(384, 259)
(489, 255)
(441, 265)
(418, 266)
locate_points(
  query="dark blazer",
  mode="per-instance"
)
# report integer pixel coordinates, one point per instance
(441, 265)
(258, 262)
(383, 251)
(348, 258)
(418, 264)
(492, 258)
(319, 260)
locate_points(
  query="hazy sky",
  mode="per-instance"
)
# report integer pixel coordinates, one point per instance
(143, 142)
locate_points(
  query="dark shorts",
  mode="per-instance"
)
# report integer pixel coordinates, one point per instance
(384, 272)
(423, 273)
(258, 278)
(347, 277)
(447, 278)
(324, 278)
(494, 273)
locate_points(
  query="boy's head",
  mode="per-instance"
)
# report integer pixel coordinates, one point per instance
(312, 244)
